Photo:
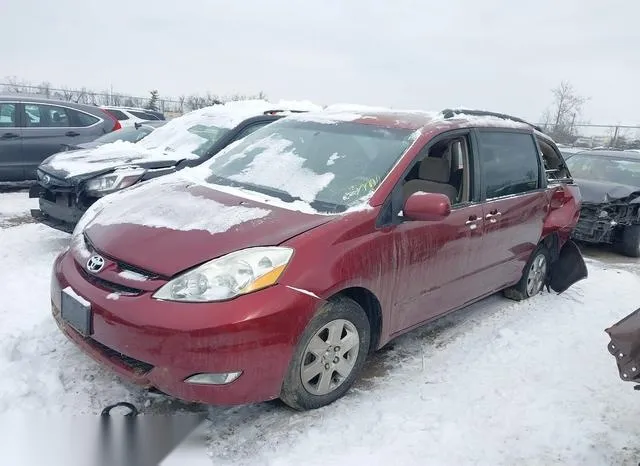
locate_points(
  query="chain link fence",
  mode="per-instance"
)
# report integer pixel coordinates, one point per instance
(169, 106)
(591, 136)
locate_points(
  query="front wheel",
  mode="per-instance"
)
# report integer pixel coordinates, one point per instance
(534, 276)
(328, 357)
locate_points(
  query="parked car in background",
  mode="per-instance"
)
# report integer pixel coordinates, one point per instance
(133, 133)
(32, 129)
(610, 186)
(274, 269)
(128, 116)
(69, 182)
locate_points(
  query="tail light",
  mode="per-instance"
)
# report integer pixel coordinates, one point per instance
(116, 122)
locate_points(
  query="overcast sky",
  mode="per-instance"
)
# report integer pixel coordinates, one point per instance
(503, 55)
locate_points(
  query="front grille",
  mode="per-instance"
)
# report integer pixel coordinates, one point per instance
(139, 367)
(121, 265)
(109, 286)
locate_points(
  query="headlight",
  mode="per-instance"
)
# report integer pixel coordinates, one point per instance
(229, 276)
(115, 181)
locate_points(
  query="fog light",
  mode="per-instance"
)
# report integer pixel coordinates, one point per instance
(214, 379)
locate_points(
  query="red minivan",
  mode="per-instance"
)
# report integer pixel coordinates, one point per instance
(275, 269)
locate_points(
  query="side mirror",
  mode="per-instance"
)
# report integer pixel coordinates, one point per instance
(427, 207)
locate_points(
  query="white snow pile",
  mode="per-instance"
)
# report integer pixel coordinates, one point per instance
(166, 203)
(107, 156)
(482, 120)
(176, 140)
(499, 383)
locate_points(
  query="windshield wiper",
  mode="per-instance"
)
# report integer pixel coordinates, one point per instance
(323, 206)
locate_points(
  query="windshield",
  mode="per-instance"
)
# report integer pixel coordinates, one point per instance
(187, 134)
(606, 169)
(331, 166)
(129, 134)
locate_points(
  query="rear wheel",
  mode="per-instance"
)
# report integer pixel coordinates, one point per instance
(329, 356)
(534, 276)
(630, 245)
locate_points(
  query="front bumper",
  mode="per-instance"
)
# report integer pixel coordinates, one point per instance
(591, 230)
(58, 208)
(159, 344)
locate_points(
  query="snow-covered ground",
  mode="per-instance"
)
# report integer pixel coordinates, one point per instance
(497, 383)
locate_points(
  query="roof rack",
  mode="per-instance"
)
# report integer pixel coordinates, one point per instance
(273, 112)
(450, 113)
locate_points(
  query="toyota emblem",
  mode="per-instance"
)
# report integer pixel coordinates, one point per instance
(95, 264)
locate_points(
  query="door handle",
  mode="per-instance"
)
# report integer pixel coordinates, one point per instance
(9, 136)
(493, 216)
(472, 223)
(72, 134)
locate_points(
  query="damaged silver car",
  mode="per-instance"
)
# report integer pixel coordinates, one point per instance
(609, 183)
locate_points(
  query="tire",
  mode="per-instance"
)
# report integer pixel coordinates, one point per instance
(530, 284)
(316, 353)
(630, 245)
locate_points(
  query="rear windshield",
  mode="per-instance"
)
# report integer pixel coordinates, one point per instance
(129, 134)
(332, 166)
(606, 169)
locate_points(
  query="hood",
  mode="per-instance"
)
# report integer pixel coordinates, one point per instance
(170, 224)
(597, 192)
(86, 163)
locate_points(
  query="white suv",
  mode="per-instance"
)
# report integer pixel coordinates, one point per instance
(129, 116)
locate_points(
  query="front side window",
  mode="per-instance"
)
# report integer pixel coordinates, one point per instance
(8, 115)
(46, 116)
(331, 166)
(129, 134)
(510, 163)
(191, 134)
(606, 169)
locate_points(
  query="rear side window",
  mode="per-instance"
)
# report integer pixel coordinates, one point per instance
(81, 119)
(118, 114)
(7, 115)
(510, 163)
(46, 116)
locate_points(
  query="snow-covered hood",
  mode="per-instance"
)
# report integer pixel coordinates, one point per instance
(86, 163)
(170, 224)
(597, 192)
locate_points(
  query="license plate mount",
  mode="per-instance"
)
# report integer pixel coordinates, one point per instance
(76, 312)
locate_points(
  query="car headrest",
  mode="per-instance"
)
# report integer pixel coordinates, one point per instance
(435, 169)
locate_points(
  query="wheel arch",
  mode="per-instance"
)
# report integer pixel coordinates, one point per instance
(371, 304)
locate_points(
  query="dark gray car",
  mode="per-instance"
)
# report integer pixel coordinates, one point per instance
(32, 129)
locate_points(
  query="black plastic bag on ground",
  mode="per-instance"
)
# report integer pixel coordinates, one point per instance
(625, 346)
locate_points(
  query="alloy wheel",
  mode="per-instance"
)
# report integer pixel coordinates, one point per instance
(537, 275)
(330, 357)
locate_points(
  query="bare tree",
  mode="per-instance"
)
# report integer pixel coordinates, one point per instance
(44, 88)
(14, 85)
(561, 116)
(67, 94)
